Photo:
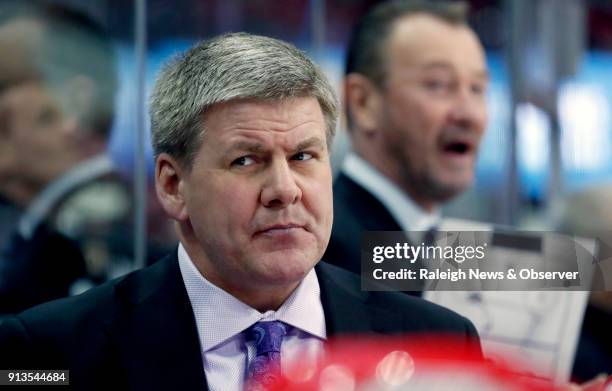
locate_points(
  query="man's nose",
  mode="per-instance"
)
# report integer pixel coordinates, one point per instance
(468, 110)
(280, 188)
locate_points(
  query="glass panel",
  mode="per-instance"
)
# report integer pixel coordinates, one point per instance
(67, 122)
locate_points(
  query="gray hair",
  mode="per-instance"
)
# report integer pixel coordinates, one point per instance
(230, 67)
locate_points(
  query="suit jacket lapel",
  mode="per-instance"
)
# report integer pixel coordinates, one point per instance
(347, 309)
(156, 332)
(352, 200)
(356, 210)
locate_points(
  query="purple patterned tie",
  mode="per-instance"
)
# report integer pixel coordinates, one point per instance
(265, 368)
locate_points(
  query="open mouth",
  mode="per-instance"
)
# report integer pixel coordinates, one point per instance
(457, 147)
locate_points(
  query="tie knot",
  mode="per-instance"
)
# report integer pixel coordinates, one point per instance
(267, 336)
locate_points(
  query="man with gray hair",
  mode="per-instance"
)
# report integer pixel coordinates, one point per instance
(241, 129)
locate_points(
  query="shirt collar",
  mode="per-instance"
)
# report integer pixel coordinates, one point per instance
(39, 208)
(404, 210)
(213, 306)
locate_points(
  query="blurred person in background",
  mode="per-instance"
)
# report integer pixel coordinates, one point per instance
(415, 99)
(57, 88)
(414, 90)
(242, 126)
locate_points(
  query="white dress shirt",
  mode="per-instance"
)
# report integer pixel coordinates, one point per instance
(221, 319)
(409, 215)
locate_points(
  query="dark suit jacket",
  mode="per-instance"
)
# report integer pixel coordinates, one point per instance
(139, 332)
(355, 211)
(38, 269)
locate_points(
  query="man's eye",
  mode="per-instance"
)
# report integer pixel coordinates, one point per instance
(478, 89)
(46, 116)
(243, 161)
(302, 156)
(437, 85)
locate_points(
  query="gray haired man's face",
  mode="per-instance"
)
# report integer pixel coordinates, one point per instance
(259, 193)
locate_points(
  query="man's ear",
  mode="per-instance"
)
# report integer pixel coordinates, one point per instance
(169, 177)
(363, 102)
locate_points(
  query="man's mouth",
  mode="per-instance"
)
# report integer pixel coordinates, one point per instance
(280, 229)
(458, 148)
